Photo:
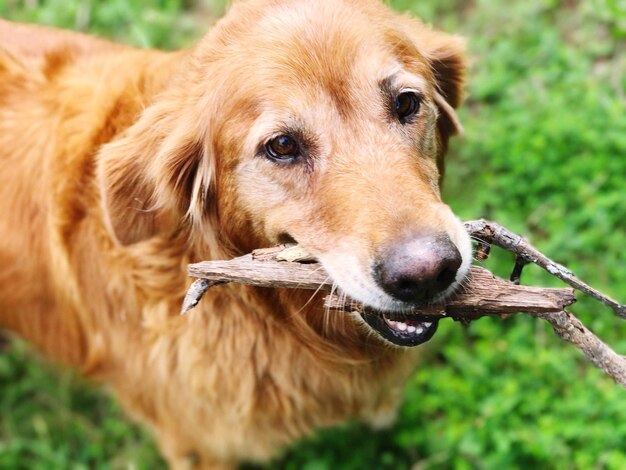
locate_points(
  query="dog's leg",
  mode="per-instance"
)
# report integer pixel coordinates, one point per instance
(180, 455)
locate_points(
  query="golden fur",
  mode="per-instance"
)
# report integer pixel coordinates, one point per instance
(120, 166)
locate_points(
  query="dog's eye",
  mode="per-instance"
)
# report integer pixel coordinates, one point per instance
(282, 148)
(407, 105)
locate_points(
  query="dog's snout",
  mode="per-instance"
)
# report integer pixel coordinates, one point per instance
(417, 269)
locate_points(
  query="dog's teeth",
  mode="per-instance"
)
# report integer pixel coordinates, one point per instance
(407, 327)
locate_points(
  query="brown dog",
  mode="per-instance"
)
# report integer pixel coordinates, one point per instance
(323, 122)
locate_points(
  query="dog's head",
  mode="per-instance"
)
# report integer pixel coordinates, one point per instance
(322, 122)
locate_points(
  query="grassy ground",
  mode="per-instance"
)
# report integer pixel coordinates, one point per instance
(544, 153)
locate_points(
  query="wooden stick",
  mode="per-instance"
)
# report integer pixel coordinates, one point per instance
(246, 270)
(492, 233)
(482, 293)
(572, 330)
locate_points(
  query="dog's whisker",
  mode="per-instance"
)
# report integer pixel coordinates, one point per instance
(327, 310)
(321, 286)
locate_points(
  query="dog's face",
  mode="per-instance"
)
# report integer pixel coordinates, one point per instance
(326, 123)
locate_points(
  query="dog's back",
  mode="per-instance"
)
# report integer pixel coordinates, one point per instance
(62, 95)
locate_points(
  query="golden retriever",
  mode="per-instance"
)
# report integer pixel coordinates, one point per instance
(323, 122)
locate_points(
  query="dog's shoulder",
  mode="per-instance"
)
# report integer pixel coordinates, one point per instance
(30, 42)
(33, 54)
(86, 76)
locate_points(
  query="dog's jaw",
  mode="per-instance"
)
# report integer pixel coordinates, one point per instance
(354, 278)
(385, 315)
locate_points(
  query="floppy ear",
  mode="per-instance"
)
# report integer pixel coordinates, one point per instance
(148, 177)
(447, 61)
(445, 56)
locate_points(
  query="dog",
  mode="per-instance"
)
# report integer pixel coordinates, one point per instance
(324, 123)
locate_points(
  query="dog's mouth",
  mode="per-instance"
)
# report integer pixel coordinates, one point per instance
(404, 308)
(403, 332)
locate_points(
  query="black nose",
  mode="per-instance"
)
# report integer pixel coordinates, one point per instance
(418, 268)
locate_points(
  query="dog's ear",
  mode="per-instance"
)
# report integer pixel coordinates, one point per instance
(446, 55)
(149, 176)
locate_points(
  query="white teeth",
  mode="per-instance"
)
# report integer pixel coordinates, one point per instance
(405, 327)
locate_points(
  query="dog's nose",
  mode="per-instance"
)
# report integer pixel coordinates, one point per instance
(418, 268)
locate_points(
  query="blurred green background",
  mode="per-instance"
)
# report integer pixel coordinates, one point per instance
(544, 154)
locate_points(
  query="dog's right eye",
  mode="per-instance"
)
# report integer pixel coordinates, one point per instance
(407, 105)
(283, 148)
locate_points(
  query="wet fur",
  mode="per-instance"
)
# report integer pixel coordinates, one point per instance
(120, 166)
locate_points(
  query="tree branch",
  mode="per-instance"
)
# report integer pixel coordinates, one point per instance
(492, 233)
(482, 293)
(571, 329)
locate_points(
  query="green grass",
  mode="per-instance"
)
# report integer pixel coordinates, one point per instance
(52, 419)
(157, 23)
(544, 153)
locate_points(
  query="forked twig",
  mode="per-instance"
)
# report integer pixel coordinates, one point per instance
(492, 233)
(483, 293)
